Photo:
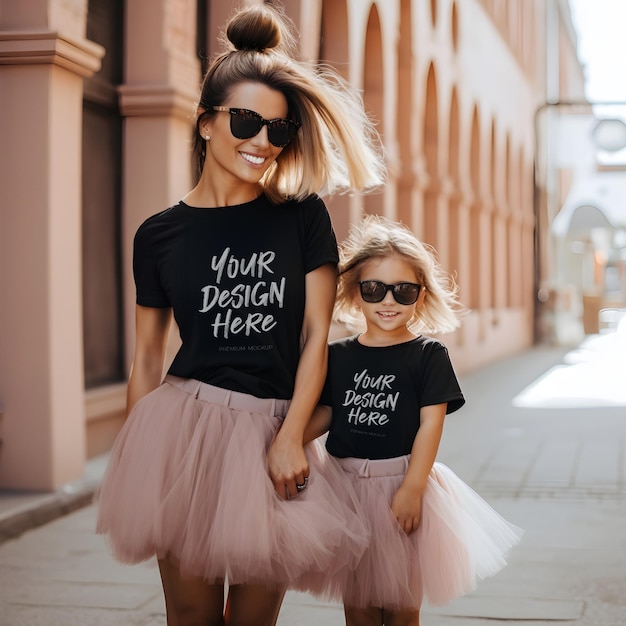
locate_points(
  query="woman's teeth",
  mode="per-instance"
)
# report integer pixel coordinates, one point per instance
(256, 160)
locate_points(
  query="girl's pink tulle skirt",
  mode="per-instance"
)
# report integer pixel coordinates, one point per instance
(460, 539)
(187, 479)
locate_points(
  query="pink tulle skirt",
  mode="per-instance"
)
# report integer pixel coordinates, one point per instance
(460, 540)
(187, 480)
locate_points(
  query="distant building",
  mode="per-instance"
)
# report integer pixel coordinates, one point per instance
(96, 102)
(583, 286)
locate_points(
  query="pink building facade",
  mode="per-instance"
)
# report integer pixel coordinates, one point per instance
(96, 116)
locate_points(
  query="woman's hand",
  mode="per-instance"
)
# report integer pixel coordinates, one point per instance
(406, 506)
(287, 465)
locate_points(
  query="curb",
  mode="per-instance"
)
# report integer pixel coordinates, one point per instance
(21, 511)
(42, 510)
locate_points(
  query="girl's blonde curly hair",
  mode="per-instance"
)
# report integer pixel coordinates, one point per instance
(376, 237)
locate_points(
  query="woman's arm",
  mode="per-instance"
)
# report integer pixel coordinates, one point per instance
(150, 346)
(407, 501)
(287, 463)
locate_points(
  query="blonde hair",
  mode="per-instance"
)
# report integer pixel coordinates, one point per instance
(376, 237)
(336, 149)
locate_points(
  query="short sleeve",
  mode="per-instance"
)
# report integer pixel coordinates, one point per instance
(439, 383)
(145, 270)
(319, 241)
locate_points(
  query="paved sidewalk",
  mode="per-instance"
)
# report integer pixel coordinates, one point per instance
(540, 450)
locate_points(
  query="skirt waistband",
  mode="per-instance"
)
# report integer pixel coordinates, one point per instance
(367, 468)
(229, 398)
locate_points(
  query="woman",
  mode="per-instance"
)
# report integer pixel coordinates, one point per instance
(209, 472)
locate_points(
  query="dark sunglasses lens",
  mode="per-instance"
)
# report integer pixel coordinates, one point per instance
(372, 290)
(245, 124)
(406, 293)
(280, 132)
(403, 293)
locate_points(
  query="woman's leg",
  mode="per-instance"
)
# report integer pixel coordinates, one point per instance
(253, 605)
(401, 618)
(190, 601)
(372, 616)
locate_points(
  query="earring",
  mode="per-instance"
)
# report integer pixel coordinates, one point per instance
(207, 137)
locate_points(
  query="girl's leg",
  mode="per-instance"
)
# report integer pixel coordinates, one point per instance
(190, 601)
(253, 605)
(372, 616)
(401, 618)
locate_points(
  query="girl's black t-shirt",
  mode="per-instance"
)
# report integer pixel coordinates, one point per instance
(235, 279)
(376, 394)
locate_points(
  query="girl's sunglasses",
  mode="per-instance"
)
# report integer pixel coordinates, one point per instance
(245, 124)
(403, 293)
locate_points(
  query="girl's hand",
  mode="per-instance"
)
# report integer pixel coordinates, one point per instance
(406, 506)
(407, 501)
(287, 466)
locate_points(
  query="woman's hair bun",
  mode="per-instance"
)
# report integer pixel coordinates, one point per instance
(258, 27)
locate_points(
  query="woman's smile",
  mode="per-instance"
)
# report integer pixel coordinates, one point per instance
(253, 159)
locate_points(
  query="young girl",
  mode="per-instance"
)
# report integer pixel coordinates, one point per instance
(209, 473)
(387, 393)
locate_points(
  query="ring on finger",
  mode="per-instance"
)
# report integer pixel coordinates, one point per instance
(303, 486)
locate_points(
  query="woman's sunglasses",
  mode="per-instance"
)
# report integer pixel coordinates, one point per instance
(403, 293)
(245, 124)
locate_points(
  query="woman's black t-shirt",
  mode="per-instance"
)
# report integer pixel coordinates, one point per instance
(376, 394)
(235, 279)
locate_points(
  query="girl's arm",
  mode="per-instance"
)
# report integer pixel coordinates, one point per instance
(319, 423)
(407, 501)
(150, 346)
(287, 463)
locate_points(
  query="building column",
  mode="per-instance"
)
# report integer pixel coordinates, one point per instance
(307, 17)
(157, 101)
(44, 58)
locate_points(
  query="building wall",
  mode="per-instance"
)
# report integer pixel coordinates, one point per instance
(453, 85)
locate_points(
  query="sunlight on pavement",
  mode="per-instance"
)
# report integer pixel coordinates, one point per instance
(592, 375)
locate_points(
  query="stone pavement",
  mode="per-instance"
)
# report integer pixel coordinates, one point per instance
(548, 454)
